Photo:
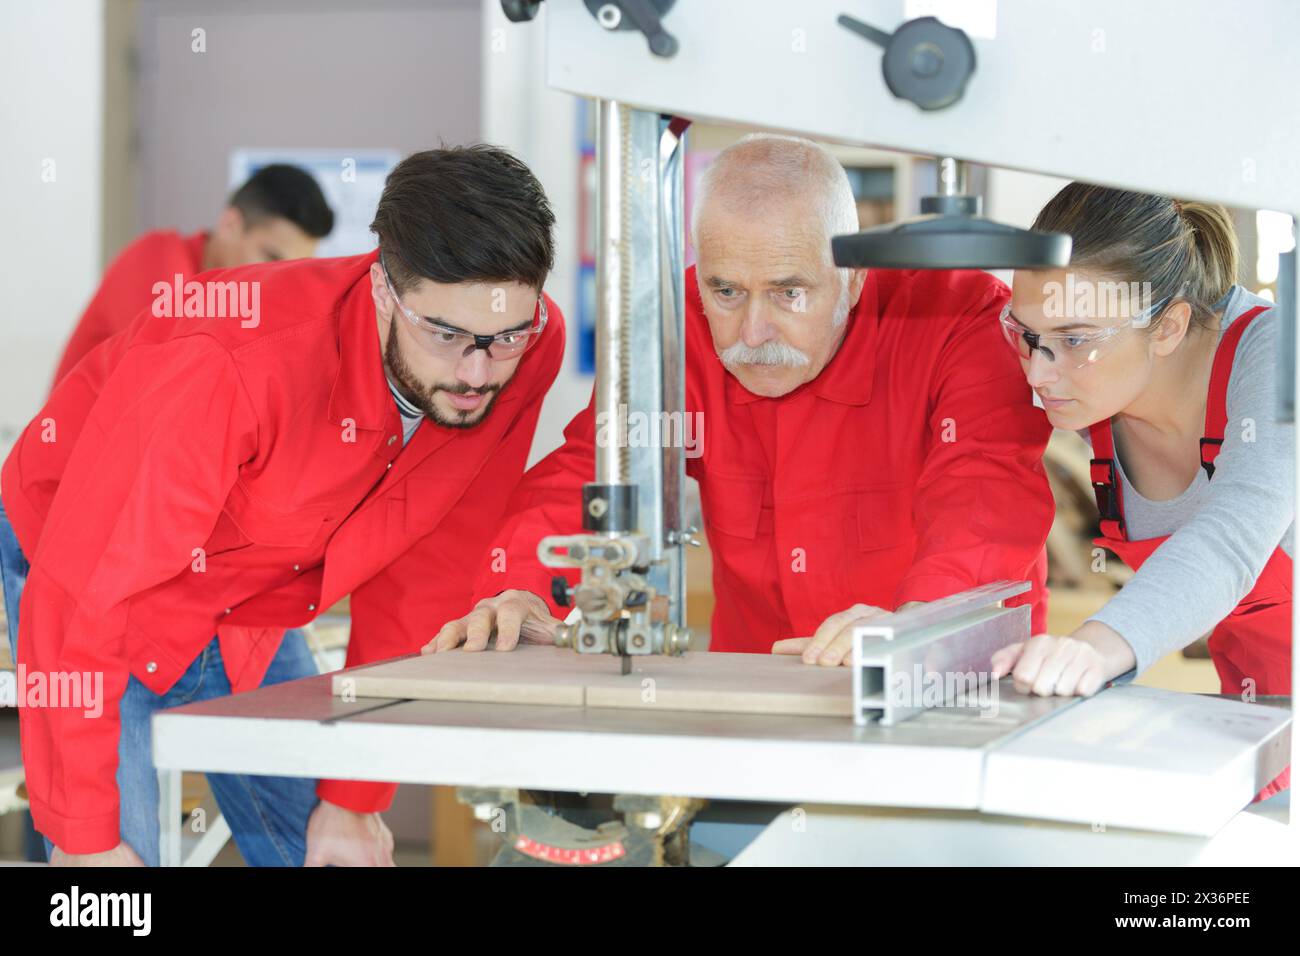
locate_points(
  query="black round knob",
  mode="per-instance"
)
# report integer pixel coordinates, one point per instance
(928, 63)
(560, 590)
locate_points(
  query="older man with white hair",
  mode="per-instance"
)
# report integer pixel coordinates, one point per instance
(869, 441)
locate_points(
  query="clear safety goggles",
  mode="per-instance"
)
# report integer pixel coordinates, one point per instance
(1071, 349)
(455, 344)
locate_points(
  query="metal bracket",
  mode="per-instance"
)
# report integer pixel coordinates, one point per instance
(935, 654)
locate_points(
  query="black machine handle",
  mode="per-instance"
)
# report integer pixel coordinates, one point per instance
(926, 62)
(643, 15)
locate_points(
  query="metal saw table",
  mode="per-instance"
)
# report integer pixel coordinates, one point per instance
(1131, 757)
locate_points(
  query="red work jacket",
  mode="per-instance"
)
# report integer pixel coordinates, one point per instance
(909, 469)
(127, 288)
(193, 476)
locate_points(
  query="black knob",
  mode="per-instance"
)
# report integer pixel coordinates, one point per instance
(643, 15)
(520, 11)
(925, 61)
(560, 590)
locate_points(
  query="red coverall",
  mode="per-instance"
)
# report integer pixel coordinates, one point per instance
(909, 469)
(127, 288)
(277, 451)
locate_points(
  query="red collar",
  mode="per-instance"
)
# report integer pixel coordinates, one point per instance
(360, 391)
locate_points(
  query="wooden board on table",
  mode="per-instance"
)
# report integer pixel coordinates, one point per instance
(531, 674)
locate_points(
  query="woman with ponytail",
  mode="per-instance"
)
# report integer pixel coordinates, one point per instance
(1146, 345)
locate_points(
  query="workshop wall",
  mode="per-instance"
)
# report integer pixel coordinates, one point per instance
(521, 113)
(392, 74)
(52, 121)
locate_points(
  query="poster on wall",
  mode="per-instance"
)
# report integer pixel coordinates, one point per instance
(351, 179)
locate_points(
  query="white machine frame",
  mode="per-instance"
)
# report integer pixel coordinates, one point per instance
(1077, 89)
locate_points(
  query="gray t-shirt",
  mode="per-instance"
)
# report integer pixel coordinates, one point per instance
(411, 416)
(1223, 531)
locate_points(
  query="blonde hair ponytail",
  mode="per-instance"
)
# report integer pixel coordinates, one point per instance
(1185, 250)
(1215, 242)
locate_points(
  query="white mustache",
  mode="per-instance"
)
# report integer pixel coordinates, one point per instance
(769, 353)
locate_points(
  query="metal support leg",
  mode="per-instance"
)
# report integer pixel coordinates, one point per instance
(214, 839)
(169, 817)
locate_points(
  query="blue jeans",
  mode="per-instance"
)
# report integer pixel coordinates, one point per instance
(267, 815)
(13, 575)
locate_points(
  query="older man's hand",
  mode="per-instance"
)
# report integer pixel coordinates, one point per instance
(832, 645)
(511, 617)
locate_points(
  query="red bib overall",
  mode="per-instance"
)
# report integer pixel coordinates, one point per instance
(1253, 643)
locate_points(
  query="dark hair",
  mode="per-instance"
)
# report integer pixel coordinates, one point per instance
(465, 214)
(1186, 250)
(280, 191)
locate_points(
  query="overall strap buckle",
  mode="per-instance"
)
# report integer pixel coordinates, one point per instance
(1106, 490)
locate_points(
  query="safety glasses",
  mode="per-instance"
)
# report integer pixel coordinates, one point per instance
(1073, 350)
(455, 344)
